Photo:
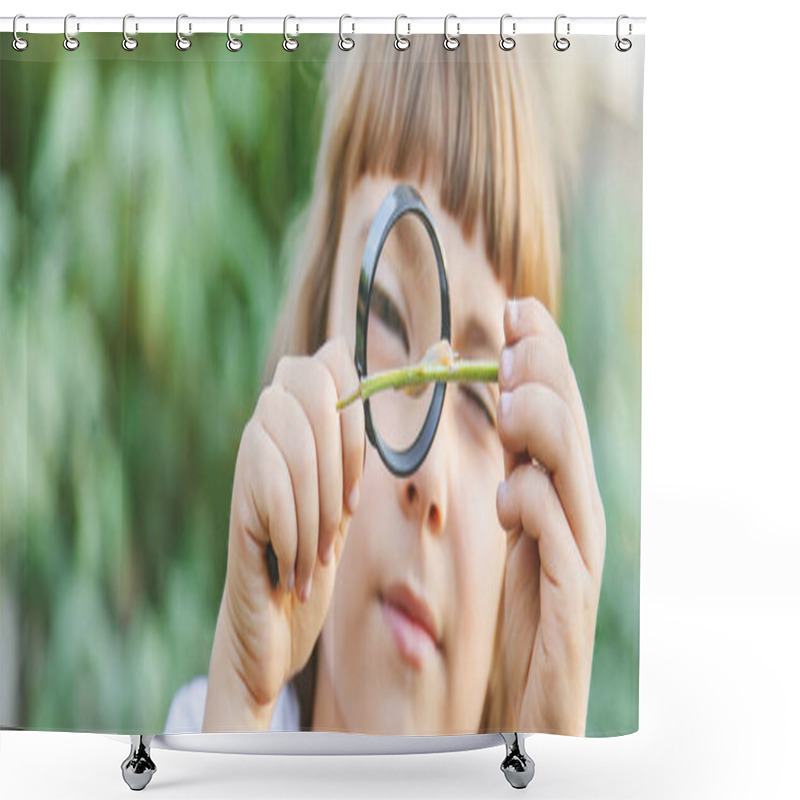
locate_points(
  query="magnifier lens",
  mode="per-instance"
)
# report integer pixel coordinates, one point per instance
(404, 321)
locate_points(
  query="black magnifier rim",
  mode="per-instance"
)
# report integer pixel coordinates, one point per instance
(403, 199)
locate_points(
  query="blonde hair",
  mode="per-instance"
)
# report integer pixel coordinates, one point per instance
(468, 119)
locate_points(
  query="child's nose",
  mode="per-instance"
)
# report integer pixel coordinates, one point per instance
(423, 493)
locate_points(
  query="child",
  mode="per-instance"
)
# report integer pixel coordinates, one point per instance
(462, 598)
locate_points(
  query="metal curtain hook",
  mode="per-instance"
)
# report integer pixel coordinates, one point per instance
(623, 45)
(346, 42)
(451, 42)
(289, 42)
(128, 42)
(19, 43)
(233, 44)
(401, 42)
(561, 43)
(182, 43)
(70, 42)
(507, 42)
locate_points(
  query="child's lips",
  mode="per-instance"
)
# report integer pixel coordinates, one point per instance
(414, 641)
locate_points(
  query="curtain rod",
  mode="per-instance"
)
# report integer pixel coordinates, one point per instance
(297, 25)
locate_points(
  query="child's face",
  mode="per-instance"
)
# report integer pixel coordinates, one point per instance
(435, 531)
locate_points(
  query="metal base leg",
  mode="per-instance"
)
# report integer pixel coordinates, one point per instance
(138, 767)
(517, 766)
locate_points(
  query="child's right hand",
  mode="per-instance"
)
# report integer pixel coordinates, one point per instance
(296, 484)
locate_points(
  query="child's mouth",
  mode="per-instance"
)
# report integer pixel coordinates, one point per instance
(414, 641)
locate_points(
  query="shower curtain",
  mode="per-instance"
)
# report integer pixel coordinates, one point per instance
(196, 533)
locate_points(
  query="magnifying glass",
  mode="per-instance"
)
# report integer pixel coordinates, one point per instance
(403, 309)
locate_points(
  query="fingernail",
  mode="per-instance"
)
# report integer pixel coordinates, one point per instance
(327, 554)
(305, 591)
(291, 582)
(506, 365)
(352, 500)
(513, 313)
(505, 403)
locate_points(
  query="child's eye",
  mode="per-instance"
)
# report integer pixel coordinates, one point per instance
(384, 307)
(479, 402)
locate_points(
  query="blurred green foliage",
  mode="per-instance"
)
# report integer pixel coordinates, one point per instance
(142, 213)
(602, 322)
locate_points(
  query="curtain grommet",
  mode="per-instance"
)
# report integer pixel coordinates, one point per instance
(346, 42)
(451, 42)
(182, 43)
(233, 44)
(507, 42)
(70, 42)
(128, 42)
(561, 43)
(19, 43)
(401, 42)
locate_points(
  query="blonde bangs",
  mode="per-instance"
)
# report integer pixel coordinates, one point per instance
(468, 126)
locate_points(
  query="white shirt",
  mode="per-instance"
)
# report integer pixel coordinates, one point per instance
(188, 706)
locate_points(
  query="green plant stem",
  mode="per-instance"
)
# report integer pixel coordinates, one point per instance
(421, 374)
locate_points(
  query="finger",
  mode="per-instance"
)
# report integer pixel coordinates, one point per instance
(512, 459)
(291, 431)
(526, 316)
(534, 419)
(310, 381)
(266, 490)
(336, 355)
(527, 500)
(537, 358)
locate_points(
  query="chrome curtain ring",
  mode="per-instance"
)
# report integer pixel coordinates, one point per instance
(70, 42)
(401, 42)
(623, 45)
(289, 42)
(233, 44)
(182, 43)
(507, 42)
(450, 42)
(561, 43)
(19, 43)
(128, 42)
(346, 42)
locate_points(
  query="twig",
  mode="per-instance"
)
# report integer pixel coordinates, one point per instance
(439, 364)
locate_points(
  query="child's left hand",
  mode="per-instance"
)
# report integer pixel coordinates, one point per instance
(551, 506)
